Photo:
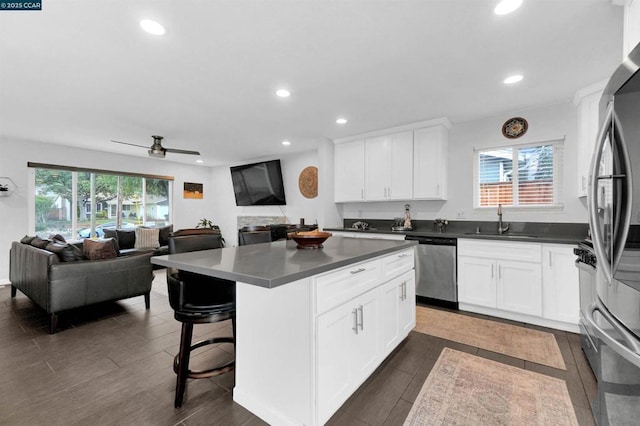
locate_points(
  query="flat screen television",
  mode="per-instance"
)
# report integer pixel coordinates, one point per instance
(258, 184)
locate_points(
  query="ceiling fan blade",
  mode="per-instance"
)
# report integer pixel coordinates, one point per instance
(181, 151)
(132, 144)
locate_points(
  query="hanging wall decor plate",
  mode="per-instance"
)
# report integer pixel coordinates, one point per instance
(308, 182)
(514, 127)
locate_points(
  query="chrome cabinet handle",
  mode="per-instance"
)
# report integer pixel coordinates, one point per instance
(401, 291)
(403, 255)
(550, 261)
(357, 271)
(492, 270)
(355, 320)
(361, 317)
(499, 272)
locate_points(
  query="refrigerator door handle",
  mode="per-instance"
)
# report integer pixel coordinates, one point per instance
(631, 354)
(622, 220)
(593, 196)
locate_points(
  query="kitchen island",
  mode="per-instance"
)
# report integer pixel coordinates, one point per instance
(312, 325)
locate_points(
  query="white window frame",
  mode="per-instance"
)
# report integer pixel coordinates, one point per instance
(558, 175)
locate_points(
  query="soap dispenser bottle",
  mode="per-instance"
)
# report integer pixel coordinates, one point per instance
(407, 217)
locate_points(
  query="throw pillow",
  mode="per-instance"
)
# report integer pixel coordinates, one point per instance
(26, 239)
(99, 249)
(126, 239)
(113, 235)
(57, 237)
(165, 232)
(147, 238)
(40, 243)
(66, 252)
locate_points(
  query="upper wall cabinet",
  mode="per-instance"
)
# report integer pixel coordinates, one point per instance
(388, 167)
(430, 150)
(631, 32)
(403, 163)
(587, 101)
(349, 171)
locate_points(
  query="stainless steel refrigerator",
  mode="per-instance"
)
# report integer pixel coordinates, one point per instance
(614, 218)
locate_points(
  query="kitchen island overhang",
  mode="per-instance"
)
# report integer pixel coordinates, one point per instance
(313, 324)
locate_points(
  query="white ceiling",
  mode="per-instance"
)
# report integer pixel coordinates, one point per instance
(82, 72)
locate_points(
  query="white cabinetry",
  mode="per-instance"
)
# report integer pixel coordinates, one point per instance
(362, 313)
(389, 167)
(401, 163)
(501, 275)
(531, 282)
(349, 171)
(561, 294)
(430, 158)
(587, 100)
(631, 34)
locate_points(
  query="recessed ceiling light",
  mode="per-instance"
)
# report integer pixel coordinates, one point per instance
(507, 6)
(341, 120)
(152, 27)
(283, 93)
(513, 79)
(199, 161)
(286, 143)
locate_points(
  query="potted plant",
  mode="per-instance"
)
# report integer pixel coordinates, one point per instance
(205, 223)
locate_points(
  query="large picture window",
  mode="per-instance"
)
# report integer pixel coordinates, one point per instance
(81, 203)
(519, 176)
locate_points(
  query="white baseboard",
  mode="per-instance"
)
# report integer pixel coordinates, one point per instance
(4, 281)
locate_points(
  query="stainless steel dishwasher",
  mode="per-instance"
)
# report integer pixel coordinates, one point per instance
(436, 270)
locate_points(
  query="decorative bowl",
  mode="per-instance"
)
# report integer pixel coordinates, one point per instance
(311, 240)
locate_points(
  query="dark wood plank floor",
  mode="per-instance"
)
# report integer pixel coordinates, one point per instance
(111, 365)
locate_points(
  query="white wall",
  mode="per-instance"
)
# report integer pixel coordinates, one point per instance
(551, 122)
(225, 212)
(14, 210)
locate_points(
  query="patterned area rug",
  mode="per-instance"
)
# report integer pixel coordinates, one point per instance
(519, 342)
(464, 389)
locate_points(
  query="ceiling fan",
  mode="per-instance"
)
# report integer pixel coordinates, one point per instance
(157, 150)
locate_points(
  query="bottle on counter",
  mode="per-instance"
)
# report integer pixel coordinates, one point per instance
(407, 217)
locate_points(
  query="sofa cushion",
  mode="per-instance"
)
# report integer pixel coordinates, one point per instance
(99, 249)
(165, 232)
(110, 233)
(147, 238)
(126, 238)
(66, 252)
(40, 243)
(26, 239)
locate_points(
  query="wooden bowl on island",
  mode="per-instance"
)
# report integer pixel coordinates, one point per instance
(310, 239)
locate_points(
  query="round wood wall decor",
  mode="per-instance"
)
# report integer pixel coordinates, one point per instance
(514, 127)
(308, 182)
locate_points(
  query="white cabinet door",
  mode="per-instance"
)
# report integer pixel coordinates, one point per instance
(519, 287)
(389, 167)
(631, 35)
(430, 150)
(334, 338)
(477, 281)
(349, 171)
(400, 186)
(398, 310)
(407, 312)
(587, 133)
(560, 289)
(365, 352)
(390, 294)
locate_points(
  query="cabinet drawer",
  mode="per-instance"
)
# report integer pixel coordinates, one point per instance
(503, 250)
(397, 263)
(337, 287)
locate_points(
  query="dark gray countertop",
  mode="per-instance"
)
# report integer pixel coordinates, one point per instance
(273, 264)
(523, 232)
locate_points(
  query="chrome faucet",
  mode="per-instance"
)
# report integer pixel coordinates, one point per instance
(501, 229)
